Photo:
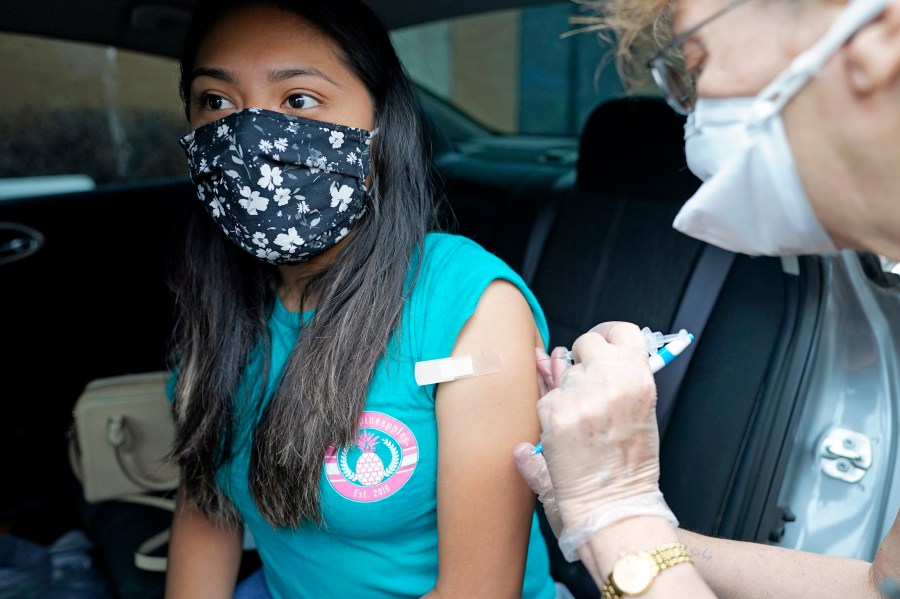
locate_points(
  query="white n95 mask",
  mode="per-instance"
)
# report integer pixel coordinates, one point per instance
(713, 131)
(752, 200)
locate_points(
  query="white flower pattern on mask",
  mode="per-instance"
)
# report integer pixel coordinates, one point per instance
(260, 239)
(316, 162)
(290, 241)
(267, 255)
(317, 176)
(270, 177)
(336, 139)
(340, 197)
(252, 201)
(282, 196)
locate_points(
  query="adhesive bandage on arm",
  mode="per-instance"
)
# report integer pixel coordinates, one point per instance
(431, 372)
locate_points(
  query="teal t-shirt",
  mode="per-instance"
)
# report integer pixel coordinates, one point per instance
(379, 496)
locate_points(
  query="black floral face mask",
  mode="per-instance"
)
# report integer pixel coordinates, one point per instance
(283, 188)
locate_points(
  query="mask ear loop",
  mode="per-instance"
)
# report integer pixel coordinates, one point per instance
(805, 66)
(366, 188)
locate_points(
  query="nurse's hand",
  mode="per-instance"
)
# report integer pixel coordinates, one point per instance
(600, 438)
(550, 368)
(533, 468)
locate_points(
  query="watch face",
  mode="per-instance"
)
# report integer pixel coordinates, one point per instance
(633, 573)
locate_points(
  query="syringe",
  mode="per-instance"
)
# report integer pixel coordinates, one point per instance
(677, 343)
(655, 340)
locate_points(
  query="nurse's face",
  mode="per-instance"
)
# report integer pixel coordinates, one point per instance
(843, 126)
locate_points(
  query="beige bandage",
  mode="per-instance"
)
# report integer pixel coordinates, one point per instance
(431, 372)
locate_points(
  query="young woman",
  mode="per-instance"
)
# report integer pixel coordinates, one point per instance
(308, 293)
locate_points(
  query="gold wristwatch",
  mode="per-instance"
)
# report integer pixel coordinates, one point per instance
(633, 573)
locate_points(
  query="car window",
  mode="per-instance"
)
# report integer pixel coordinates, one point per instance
(510, 71)
(74, 116)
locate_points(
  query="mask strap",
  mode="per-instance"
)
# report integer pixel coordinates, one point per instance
(374, 132)
(775, 95)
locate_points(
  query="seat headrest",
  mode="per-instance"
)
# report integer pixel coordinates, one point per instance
(634, 148)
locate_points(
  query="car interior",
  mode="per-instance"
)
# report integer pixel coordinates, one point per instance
(592, 237)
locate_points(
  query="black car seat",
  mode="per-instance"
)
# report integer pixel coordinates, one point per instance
(611, 248)
(606, 250)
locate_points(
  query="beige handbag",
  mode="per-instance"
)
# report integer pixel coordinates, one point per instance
(121, 436)
(123, 432)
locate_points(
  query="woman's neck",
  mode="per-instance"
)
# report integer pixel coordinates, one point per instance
(295, 278)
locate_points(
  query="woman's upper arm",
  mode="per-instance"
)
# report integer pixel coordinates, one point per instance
(204, 556)
(484, 506)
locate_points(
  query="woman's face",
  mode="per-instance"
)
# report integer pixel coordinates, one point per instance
(261, 56)
(843, 126)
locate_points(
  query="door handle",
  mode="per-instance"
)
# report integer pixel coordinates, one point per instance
(18, 241)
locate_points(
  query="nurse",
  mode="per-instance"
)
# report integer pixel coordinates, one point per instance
(794, 126)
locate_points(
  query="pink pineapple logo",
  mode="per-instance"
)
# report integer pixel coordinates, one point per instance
(369, 467)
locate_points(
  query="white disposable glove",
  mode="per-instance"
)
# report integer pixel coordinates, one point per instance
(600, 439)
(533, 469)
(550, 368)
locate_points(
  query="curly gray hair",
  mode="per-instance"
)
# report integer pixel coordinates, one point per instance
(639, 26)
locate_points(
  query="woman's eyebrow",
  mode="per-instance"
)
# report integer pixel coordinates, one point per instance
(276, 76)
(220, 74)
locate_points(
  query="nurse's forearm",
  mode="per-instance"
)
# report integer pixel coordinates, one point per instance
(599, 555)
(737, 569)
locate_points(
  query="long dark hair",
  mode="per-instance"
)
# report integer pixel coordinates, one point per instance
(224, 296)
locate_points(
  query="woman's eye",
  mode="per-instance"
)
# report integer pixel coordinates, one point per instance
(301, 101)
(214, 102)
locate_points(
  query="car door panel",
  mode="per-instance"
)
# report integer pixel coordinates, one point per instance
(91, 302)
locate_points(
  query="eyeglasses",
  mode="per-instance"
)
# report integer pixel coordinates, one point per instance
(670, 73)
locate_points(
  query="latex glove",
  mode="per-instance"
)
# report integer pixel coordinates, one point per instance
(550, 368)
(600, 438)
(533, 469)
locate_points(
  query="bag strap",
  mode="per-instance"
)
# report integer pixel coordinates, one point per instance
(152, 563)
(121, 438)
(142, 557)
(74, 458)
(163, 503)
(697, 304)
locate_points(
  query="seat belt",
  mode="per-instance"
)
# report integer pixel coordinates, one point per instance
(700, 296)
(543, 224)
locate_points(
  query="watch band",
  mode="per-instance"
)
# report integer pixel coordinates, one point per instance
(663, 557)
